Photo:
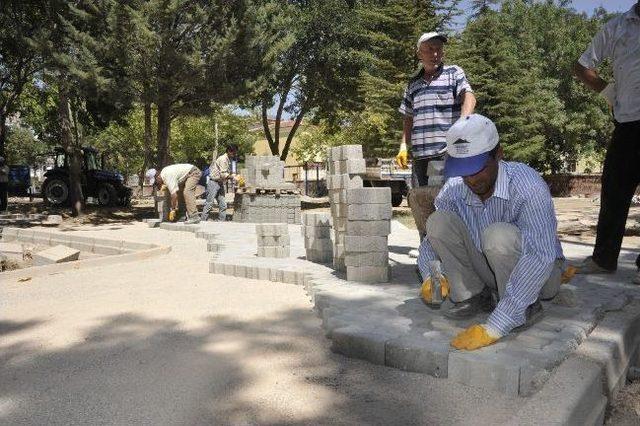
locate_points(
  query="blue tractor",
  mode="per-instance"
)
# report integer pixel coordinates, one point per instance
(107, 187)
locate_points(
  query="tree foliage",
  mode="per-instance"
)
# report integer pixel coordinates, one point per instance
(518, 60)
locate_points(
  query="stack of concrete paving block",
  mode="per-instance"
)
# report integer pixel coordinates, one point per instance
(267, 208)
(367, 229)
(273, 239)
(345, 165)
(316, 230)
(264, 171)
(266, 197)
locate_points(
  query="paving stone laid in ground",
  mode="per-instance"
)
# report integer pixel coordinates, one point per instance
(389, 324)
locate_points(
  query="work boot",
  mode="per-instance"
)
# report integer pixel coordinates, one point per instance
(533, 314)
(192, 220)
(481, 302)
(589, 266)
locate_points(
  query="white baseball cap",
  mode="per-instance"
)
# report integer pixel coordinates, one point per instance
(469, 142)
(428, 36)
(150, 174)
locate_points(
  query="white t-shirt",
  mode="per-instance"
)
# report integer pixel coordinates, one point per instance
(619, 40)
(174, 175)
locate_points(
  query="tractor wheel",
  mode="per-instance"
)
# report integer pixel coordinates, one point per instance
(107, 195)
(396, 199)
(56, 192)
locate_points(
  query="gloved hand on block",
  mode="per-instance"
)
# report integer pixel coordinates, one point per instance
(172, 215)
(426, 292)
(475, 337)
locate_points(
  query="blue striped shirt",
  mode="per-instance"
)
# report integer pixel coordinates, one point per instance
(522, 198)
(434, 107)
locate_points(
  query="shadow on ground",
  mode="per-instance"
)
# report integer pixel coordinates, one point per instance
(131, 369)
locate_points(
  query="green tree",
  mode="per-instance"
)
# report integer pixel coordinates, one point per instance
(308, 63)
(85, 69)
(518, 60)
(19, 62)
(23, 147)
(194, 54)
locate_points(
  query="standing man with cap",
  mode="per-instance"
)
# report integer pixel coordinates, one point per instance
(494, 230)
(181, 180)
(619, 41)
(433, 100)
(219, 173)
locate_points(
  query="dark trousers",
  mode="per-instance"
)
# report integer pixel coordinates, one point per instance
(3, 196)
(620, 178)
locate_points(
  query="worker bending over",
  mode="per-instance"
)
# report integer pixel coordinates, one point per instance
(181, 181)
(494, 230)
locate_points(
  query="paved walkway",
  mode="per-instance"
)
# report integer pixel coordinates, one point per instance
(163, 341)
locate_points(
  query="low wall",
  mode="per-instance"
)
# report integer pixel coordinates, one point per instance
(567, 185)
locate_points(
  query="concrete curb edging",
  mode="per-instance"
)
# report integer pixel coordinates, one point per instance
(590, 377)
(114, 251)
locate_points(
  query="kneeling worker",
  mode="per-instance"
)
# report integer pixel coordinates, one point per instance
(183, 179)
(494, 231)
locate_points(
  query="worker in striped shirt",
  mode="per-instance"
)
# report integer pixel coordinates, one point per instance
(494, 232)
(433, 100)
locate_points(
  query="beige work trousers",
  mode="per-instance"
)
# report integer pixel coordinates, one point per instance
(187, 193)
(469, 270)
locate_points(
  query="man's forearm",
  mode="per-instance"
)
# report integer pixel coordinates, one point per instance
(589, 77)
(407, 126)
(174, 201)
(468, 104)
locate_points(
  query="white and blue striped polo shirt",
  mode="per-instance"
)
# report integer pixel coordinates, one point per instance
(520, 197)
(434, 106)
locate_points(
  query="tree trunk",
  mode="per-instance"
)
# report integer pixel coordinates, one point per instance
(146, 142)
(3, 133)
(267, 133)
(74, 154)
(164, 129)
(296, 124)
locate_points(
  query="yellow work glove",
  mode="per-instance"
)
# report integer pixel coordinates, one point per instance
(426, 289)
(172, 215)
(474, 337)
(240, 180)
(402, 159)
(567, 274)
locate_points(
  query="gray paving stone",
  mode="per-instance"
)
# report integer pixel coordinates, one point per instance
(486, 368)
(375, 195)
(428, 353)
(365, 244)
(372, 228)
(319, 244)
(55, 254)
(316, 231)
(280, 240)
(374, 212)
(367, 259)
(316, 219)
(368, 274)
(273, 251)
(435, 168)
(358, 342)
